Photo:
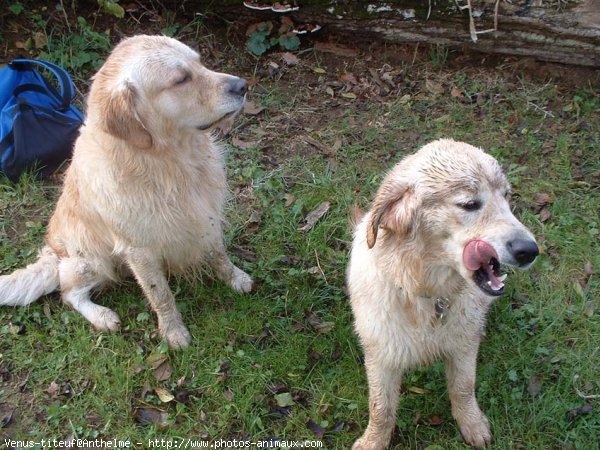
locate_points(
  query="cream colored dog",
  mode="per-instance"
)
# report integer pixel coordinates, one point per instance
(424, 270)
(145, 189)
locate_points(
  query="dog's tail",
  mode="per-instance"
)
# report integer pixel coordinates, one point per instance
(25, 286)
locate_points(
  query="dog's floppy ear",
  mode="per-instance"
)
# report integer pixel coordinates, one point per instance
(394, 209)
(120, 117)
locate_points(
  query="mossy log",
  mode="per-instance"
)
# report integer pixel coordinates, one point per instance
(564, 31)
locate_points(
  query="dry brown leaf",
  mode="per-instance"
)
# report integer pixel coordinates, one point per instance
(434, 421)
(535, 385)
(433, 87)
(329, 47)
(151, 416)
(163, 372)
(313, 217)
(244, 145)
(455, 92)
(52, 389)
(542, 199)
(545, 214)
(289, 199)
(290, 59)
(348, 78)
(316, 322)
(252, 108)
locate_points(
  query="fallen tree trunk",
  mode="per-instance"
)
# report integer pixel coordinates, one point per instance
(564, 31)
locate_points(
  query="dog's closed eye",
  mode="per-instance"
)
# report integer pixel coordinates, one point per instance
(470, 205)
(182, 79)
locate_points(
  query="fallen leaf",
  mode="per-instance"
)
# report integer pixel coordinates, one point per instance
(290, 59)
(244, 253)
(183, 396)
(349, 95)
(545, 214)
(163, 371)
(156, 359)
(348, 78)
(40, 39)
(313, 217)
(404, 99)
(319, 70)
(277, 388)
(417, 390)
(434, 87)
(434, 421)
(578, 289)
(254, 221)
(329, 47)
(252, 108)
(146, 389)
(573, 413)
(229, 395)
(164, 395)
(244, 145)
(541, 200)
(6, 418)
(151, 416)
(284, 399)
(289, 199)
(455, 92)
(316, 322)
(52, 389)
(223, 371)
(534, 387)
(317, 429)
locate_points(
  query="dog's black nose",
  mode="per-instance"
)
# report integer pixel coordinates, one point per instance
(237, 86)
(523, 250)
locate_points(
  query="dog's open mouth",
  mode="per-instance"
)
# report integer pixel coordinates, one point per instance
(481, 258)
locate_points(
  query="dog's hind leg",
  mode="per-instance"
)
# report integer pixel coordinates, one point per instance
(78, 277)
(384, 392)
(460, 372)
(227, 272)
(149, 273)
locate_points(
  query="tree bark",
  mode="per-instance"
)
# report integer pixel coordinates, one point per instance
(564, 31)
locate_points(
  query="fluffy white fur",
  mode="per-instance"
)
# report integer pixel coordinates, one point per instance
(145, 190)
(407, 255)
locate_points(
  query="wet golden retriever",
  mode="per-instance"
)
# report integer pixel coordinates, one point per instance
(424, 269)
(145, 189)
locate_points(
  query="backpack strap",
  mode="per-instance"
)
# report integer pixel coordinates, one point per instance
(66, 87)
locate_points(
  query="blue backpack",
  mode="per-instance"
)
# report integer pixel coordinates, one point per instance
(38, 124)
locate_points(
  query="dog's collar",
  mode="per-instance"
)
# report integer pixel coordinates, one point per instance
(442, 306)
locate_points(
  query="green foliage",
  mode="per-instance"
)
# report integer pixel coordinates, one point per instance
(16, 8)
(112, 7)
(261, 37)
(289, 41)
(80, 53)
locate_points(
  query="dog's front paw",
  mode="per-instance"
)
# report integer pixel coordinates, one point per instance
(477, 432)
(365, 444)
(176, 335)
(105, 319)
(241, 281)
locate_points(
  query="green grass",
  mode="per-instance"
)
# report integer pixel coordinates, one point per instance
(546, 325)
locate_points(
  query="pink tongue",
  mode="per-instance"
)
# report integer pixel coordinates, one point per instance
(477, 254)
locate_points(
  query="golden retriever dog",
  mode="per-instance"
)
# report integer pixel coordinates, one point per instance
(145, 190)
(424, 269)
